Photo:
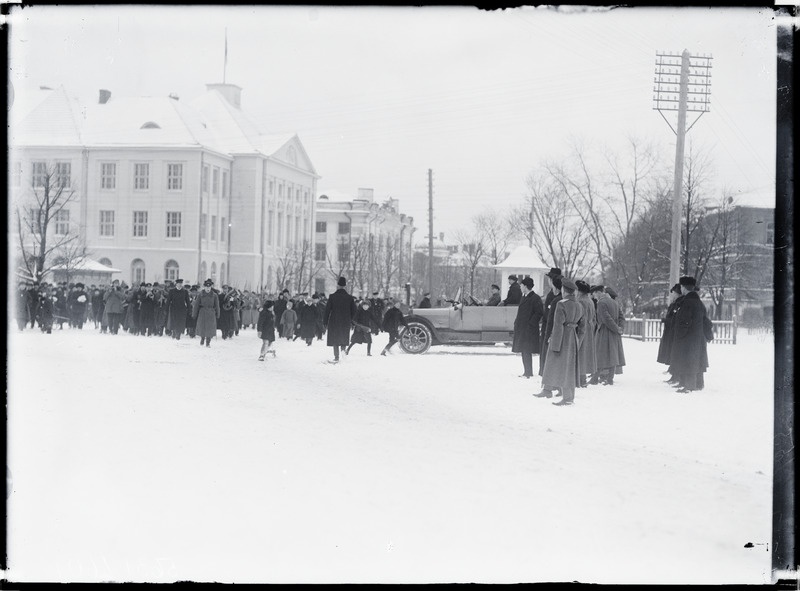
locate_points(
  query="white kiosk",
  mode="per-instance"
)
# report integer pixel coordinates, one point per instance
(522, 262)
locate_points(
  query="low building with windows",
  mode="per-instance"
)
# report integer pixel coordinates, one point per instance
(370, 243)
(162, 188)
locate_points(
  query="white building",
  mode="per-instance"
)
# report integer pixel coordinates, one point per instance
(369, 243)
(165, 188)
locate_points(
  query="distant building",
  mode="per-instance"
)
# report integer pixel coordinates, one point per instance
(165, 188)
(369, 243)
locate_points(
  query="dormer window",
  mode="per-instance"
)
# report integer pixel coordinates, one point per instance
(150, 125)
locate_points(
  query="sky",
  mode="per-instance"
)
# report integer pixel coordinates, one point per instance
(380, 95)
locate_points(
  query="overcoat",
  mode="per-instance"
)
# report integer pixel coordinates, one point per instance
(280, 306)
(526, 324)
(668, 332)
(494, 300)
(288, 322)
(114, 300)
(178, 308)
(547, 326)
(608, 339)
(266, 325)
(514, 295)
(339, 313)
(392, 321)
(147, 312)
(689, 353)
(205, 309)
(587, 354)
(226, 318)
(568, 329)
(364, 324)
(308, 321)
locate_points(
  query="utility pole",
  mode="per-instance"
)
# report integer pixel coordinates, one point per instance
(692, 93)
(430, 231)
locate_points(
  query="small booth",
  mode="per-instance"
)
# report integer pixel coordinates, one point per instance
(86, 271)
(523, 262)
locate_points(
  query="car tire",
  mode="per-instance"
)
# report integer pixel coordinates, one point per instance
(417, 338)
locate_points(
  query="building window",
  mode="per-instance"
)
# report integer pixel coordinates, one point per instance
(320, 252)
(213, 271)
(140, 224)
(344, 253)
(62, 222)
(173, 224)
(39, 174)
(16, 174)
(141, 176)
(280, 191)
(270, 227)
(171, 270)
(63, 174)
(214, 228)
(105, 261)
(137, 271)
(288, 192)
(344, 227)
(770, 232)
(215, 181)
(174, 177)
(203, 226)
(279, 230)
(223, 230)
(107, 223)
(297, 236)
(205, 179)
(108, 175)
(271, 187)
(224, 184)
(322, 226)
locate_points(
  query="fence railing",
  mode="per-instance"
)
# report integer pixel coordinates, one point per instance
(650, 329)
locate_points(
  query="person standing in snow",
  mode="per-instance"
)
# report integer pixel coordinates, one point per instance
(178, 305)
(363, 327)
(551, 299)
(339, 313)
(392, 321)
(308, 316)
(668, 332)
(561, 365)
(587, 355)
(608, 338)
(526, 327)
(80, 300)
(288, 321)
(265, 325)
(205, 310)
(693, 330)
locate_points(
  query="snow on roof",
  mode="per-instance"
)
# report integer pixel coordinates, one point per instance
(46, 117)
(335, 195)
(522, 257)
(234, 130)
(86, 264)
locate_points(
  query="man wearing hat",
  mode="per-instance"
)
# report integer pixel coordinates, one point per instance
(668, 331)
(376, 305)
(24, 299)
(587, 355)
(514, 292)
(526, 327)
(337, 318)
(425, 302)
(205, 311)
(494, 299)
(561, 364)
(610, 356)
(177, 309)
(552, 298)
(77, 309)
(689, 353)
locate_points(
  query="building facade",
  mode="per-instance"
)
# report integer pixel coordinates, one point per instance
(162, 189)
(370, 243)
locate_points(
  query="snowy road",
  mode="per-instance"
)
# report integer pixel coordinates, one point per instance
(147, 459)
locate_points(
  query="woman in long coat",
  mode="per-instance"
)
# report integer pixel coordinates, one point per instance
(205, 310)
(526, 327)
(561, 364)
(587, 353)
(608, 340)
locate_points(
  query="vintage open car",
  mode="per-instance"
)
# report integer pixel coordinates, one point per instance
(465, 321)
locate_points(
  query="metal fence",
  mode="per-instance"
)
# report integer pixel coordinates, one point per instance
(649, 329)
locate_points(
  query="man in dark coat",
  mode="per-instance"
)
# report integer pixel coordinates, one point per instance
(376, 307)
(608, 338)
(425, 302)
(392, 321)
(526, 327)
(80, 299)
(339, 313)
(554, 296)
(24, 299)
(514, 292)
(33, 303)
(307, 316)
(178, 308)
(494, 299)
(668, 331)
(319, 304)
(280, 306)
(689, 354)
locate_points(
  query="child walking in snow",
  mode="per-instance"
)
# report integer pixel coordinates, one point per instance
(266, 330)
(288, 320)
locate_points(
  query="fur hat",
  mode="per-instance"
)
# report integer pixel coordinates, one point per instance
(582, 286)
(676, 289)
(596, 288)
(179, 281)
(341, 282)
(687, 281)
(208, 283)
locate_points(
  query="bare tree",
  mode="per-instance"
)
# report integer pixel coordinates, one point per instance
(697, 166)
(43, 225)
(285, 269)
(472, 252)
(497, 234)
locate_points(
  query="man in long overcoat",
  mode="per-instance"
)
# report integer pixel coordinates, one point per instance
(551, 299)
(178, 307)
(587, 354)
(608, 339)
(205, 309)
(568, 330)
(526, 327)
(689, 354)
(307, 316)
(668, 331)
(339, 313)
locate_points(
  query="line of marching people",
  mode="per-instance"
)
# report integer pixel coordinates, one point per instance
(577, 332)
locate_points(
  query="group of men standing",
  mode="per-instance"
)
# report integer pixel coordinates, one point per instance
(577, 332)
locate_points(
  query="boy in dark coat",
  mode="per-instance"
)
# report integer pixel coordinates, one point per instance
(526, 326)
(266, 330)
(392, 321)
(339, 313)
(363, 326)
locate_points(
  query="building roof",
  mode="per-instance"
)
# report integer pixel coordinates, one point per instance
(86, 264)
(522, 258)
(46, 117)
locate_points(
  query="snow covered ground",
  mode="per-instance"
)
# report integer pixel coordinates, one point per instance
(148, 459)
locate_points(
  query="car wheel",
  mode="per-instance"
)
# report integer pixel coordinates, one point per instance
(416, 338)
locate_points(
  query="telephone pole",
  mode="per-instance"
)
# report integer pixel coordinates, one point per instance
(430, 231)
(692, 75)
